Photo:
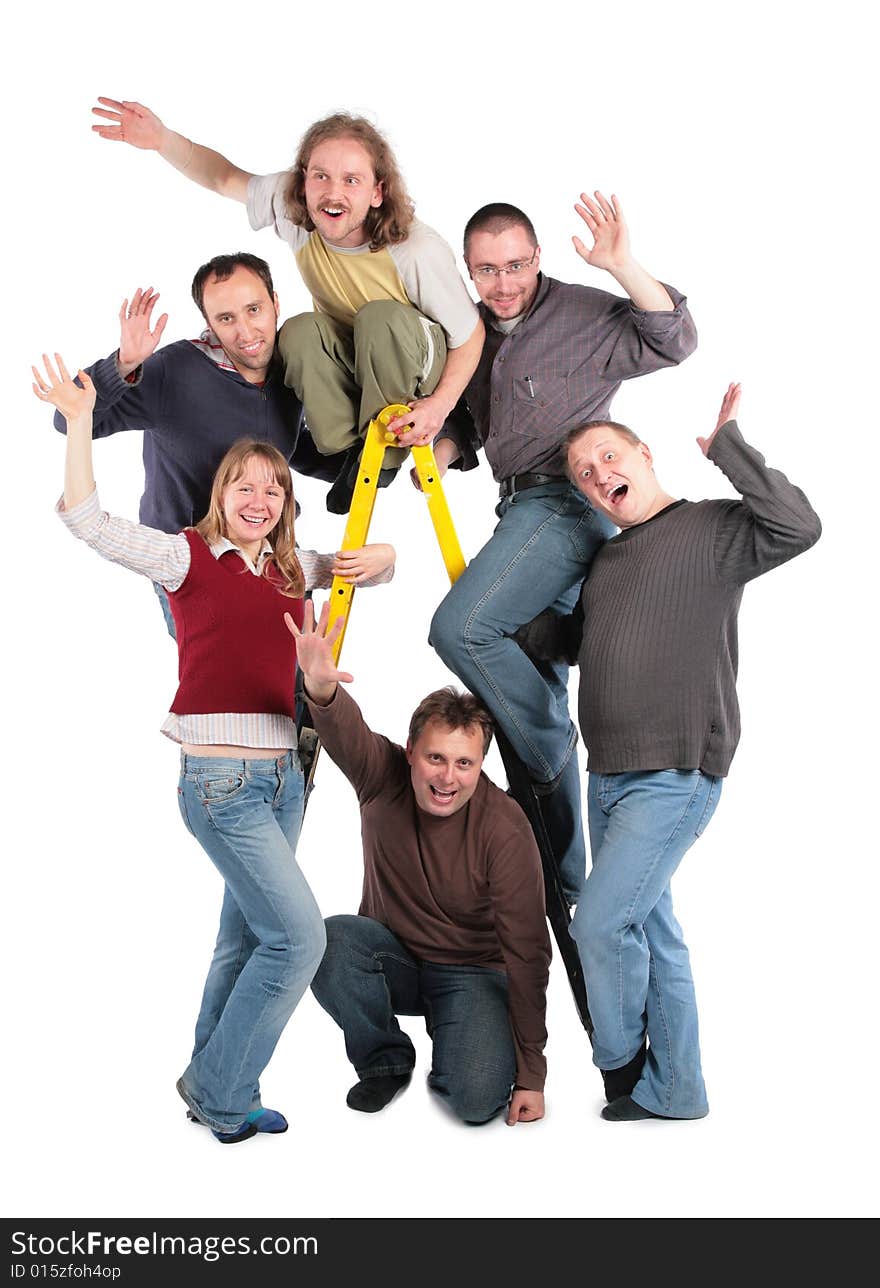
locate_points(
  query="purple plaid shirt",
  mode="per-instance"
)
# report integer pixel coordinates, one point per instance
(560, 366)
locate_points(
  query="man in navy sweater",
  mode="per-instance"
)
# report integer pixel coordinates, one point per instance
(194, 398)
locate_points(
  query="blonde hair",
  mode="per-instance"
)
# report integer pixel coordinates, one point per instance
(385, 224)
(283, 564)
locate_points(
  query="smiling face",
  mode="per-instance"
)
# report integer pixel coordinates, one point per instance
(616, 476)
(244, 317)
(340, 190)
(252, 505)
(445, 767)
(507, 295)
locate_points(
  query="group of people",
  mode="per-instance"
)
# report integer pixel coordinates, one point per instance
(591, 561)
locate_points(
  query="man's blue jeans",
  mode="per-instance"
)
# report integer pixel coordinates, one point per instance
(246, 815)
(367, 977)
(536, 558)
(636, 966)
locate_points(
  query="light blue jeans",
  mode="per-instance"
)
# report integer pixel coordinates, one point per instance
(536, 558)
(166, 609)
(246, 815)
(636, 964)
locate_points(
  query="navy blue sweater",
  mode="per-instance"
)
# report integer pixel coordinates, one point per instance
(191, 411)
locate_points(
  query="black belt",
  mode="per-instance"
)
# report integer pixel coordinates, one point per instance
(519, 482)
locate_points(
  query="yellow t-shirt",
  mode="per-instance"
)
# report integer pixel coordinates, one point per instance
(419, 270)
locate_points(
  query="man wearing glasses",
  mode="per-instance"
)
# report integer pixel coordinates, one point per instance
(554, 356)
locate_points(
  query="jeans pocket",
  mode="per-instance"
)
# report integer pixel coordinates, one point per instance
(590, 532)
(709, 807)
(181, 801)
(214, 789)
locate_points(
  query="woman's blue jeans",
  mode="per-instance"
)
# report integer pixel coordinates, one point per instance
(246, 815)
(536, 558)
(367, 978)
(636, 965)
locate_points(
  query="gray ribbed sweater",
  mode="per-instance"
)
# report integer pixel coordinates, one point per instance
(658, 659)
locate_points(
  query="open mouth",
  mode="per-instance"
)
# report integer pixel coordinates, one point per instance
(442, 798)
(333, 212)
(616, 494)
(255, 523)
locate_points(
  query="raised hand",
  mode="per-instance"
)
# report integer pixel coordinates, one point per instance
(729, 410)
(58, 388)
(130, 123)
(358, 566)
(314, 652)
(610, 249)
(136, 340)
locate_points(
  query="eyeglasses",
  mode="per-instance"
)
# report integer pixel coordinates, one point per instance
(515, 268)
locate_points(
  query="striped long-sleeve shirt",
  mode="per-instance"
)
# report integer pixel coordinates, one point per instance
(165, 558)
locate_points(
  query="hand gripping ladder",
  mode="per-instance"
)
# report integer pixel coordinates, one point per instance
(377, 438)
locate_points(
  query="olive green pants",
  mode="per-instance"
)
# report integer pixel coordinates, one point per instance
(344, 376)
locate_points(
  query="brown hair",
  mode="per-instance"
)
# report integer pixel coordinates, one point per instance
(496, 218)
(212, 527)
(221, 267)
(574, 434)
(388, 223)
(457, 710)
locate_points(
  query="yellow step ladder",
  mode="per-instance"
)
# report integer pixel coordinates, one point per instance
(376, 439)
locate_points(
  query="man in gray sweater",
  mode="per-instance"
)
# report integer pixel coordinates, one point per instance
(659, 715)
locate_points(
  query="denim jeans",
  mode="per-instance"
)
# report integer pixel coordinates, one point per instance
(246, 815)
(367, 977)
(636, 965)
(536, 558)
(166, 609)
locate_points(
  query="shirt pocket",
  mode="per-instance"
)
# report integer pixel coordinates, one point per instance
(540, 404)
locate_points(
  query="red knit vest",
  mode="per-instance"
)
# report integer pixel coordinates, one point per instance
(235, 651)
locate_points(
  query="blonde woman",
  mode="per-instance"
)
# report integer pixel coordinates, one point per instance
(230, 581)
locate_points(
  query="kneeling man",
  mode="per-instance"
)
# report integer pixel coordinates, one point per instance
(451, 923)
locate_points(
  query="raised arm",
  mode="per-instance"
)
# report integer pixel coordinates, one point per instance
(729, 411)
(611, 252)
(137, 338)
(773, 522)
(136, 125)
(75, 402)
(314, 653)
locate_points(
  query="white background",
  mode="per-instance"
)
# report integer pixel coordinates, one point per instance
(740, 141)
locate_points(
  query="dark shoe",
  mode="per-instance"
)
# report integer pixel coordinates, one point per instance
(620, 1082)
(387, 476)
(338, 500)
(372, 1094)
(244, 1132)
(268, 1121)
(625, 1110)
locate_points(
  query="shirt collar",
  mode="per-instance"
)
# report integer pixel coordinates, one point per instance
(210, 346)
(220, 547)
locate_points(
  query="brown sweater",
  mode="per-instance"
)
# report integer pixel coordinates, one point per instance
(462, 890)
